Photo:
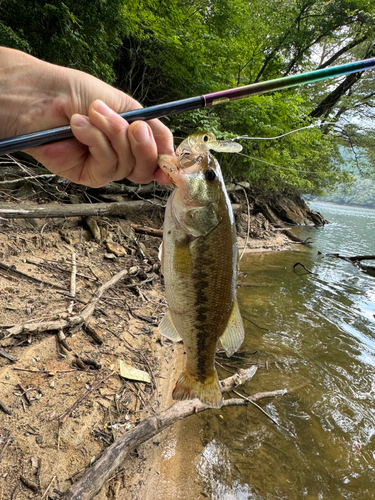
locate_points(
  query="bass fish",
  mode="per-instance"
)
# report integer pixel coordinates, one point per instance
(199, 262)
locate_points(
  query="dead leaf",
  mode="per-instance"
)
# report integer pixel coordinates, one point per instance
(131, 373)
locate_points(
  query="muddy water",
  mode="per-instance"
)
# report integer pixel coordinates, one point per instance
(312, 332)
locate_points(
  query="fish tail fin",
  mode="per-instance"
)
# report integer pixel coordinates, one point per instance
(188, 387)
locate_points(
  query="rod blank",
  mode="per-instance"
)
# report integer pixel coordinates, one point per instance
(13, 144)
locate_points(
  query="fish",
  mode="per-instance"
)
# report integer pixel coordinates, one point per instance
(199, 261)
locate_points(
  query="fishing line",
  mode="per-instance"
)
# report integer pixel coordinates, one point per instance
(278, 166)
(273, 138)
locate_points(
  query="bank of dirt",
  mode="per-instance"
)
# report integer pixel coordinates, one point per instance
(62, 399)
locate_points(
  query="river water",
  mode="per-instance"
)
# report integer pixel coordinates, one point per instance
(314, 333)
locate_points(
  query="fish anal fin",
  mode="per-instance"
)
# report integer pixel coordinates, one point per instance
(188, 387)
(234, 333)
(167, 328)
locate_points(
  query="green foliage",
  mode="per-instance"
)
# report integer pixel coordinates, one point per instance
(81, 34)
(163, 50)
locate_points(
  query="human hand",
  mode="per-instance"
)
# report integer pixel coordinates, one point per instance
(39, 95)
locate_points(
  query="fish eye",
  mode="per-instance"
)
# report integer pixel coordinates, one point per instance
(205, 138)
(210, 174)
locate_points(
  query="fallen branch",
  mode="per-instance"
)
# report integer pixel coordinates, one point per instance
(120, 209)
(96, 476)
(78, 319)
(80, 210)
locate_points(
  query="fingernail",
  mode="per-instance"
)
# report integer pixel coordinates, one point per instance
(102, 108)
(78, 120)
(141, 133)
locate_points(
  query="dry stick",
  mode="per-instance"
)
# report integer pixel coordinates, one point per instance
(15, 183)
(78, 319)
(6, 355)
(147, 230)
(62, 418)
(48, 487)
(73, 276)
(55, 268)
(5, 409)
(97, 475)
(13, 272)
(4, 448)
(73, 282)
(256, 406)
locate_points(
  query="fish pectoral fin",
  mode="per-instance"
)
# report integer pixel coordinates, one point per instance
(234, 333)
(167, 328)
(161, 257)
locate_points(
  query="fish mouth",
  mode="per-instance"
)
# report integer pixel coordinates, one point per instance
(178, 166)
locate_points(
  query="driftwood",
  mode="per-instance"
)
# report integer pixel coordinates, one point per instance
(78, 319)
(12, 211)
(96, 476)
(295, 238)
(356, 260)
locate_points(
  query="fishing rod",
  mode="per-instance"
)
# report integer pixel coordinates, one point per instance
(13, 144)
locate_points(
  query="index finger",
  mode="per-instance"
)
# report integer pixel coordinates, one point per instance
(163, 137)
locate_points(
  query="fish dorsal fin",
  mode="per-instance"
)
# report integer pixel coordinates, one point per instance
(234, 333)
(167, 328)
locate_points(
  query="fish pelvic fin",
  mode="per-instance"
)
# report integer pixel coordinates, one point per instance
(234, 333)
(167, 328)
(188, 387)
